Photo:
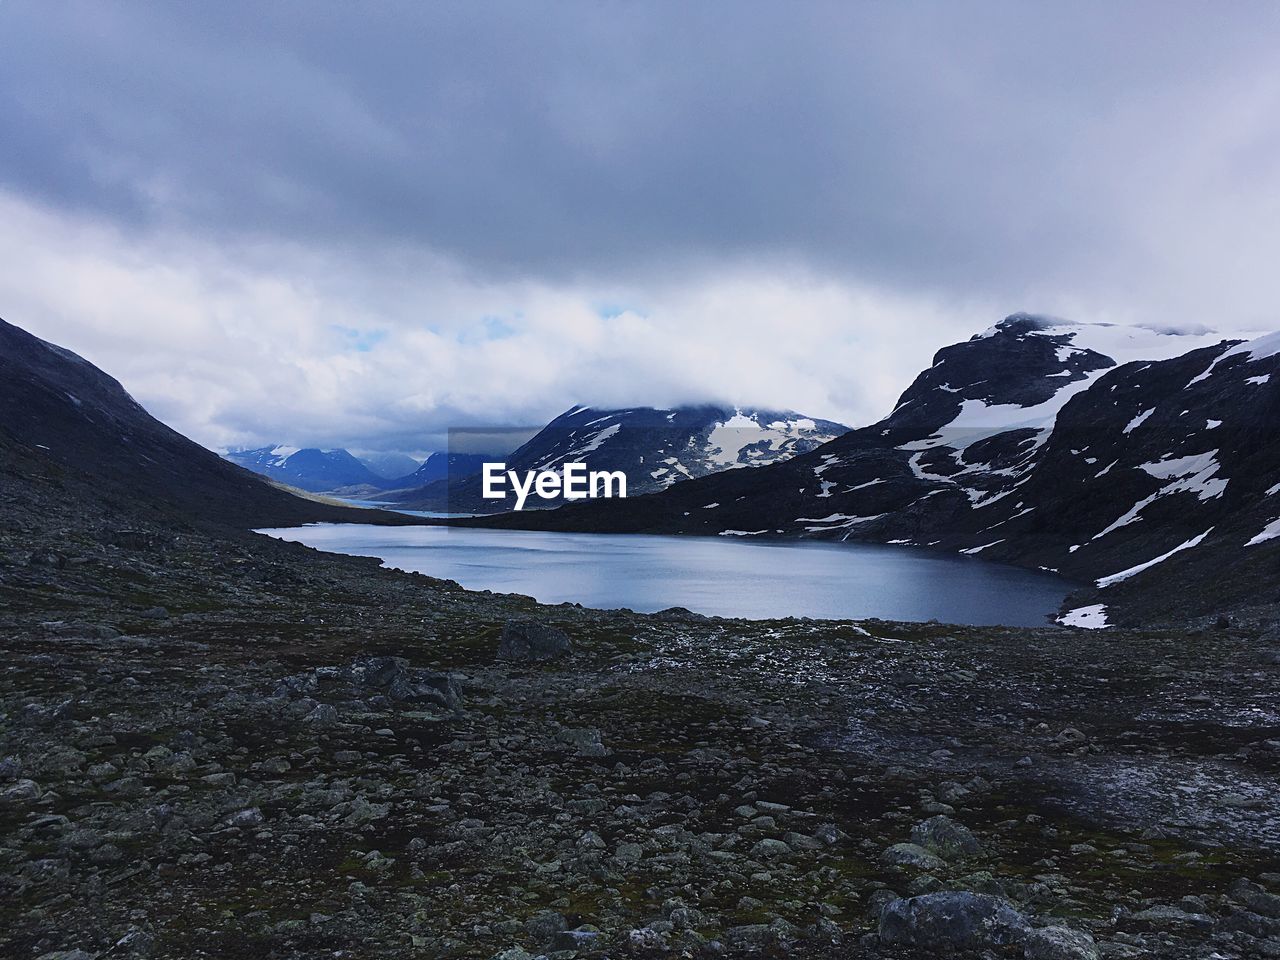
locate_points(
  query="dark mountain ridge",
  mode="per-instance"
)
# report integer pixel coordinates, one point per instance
(63, 421)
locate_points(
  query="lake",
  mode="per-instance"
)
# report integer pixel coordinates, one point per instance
(714, 576)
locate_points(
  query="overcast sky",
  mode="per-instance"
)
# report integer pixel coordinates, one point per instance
(359, 224)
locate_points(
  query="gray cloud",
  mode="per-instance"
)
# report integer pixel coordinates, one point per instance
(1097, 160)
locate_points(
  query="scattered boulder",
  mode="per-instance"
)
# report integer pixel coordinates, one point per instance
(543, 926)
(948, 921)
(946, 838)
(584, 741)
(1059, 943)
(370, 678)
(530, 640)
(912, 856)
(769, 849)
(1169, 918)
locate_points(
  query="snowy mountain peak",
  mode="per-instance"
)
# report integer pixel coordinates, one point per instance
(655, 448)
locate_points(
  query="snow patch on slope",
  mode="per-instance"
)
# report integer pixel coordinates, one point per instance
(1134, 571)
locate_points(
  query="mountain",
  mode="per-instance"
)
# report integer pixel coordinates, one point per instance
(71, 430)
(442, 466)
(319, 471)
(655, 448)
(390, 466)
(1091, 450)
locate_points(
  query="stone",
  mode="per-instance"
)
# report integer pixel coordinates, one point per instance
(590, 841)
(769, 849)
(946, 838)
(956, 920)
(544, 925)
(20, 791)
(530, 640)
(1170, 918)
(245, 818)
(629, 852)
(913, 856)
(324, 715)
(584, 741)
(1059, 943)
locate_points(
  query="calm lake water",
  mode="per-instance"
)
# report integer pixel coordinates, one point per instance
(715, 576)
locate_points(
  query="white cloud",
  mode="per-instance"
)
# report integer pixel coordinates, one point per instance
(387, 349)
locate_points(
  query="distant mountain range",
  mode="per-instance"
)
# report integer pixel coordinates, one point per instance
(1143, 462)
(342, 474)
(390, 466)
(654, 448)
(320, 471)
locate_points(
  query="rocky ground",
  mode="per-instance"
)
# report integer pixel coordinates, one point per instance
(217, 745)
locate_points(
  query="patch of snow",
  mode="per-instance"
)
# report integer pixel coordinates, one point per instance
(974, 550)
(1134, 571)
(828, 459)
(595, 442)
(1259, 381)
(742, 533)
(726, 442)
(834, 518)
(711, 506)
(1212, 424)
(1139, 420)
(1257, 349)
(1092, 617)
(1269, 532)
(1194, 474)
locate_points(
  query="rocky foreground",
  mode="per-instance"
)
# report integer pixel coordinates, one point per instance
(218, 745)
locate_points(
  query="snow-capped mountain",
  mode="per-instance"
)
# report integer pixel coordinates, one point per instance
(654, 448)
(1115, 455)
(319, 471)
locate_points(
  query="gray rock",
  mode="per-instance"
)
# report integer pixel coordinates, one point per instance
(946, 838)
(1059, 943)
(245, 818)
(584, 741)
(1170, 918)
(913, 856)
(20, 791)
(769, 849)
(530, 640)
(543, 926)
(324, 715)
(952, 921)
(629, 852)
(590, 841)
